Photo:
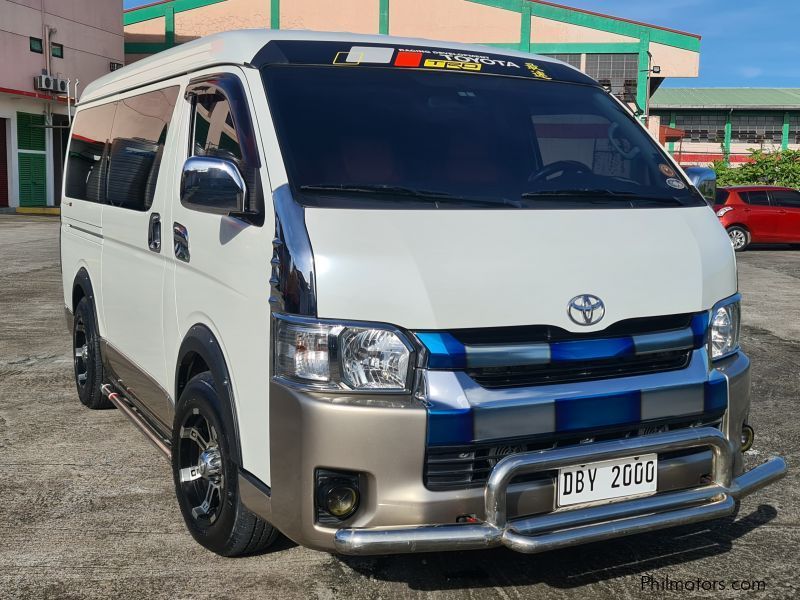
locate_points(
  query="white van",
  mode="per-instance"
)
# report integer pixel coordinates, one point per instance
(392, 295)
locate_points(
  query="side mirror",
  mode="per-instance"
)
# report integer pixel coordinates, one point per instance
(705, 180)
(213, 185)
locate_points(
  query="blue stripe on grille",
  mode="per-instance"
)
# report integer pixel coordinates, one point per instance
(447, 426)
(445, 351)
(574, 414)
(716, 392)
(591, 349)
(699, 327)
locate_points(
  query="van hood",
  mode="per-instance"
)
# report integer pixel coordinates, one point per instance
(447, 269)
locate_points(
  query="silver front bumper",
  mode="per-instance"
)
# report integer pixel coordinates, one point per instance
(569, 527)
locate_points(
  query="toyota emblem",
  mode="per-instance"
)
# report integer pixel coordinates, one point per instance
(586, 309)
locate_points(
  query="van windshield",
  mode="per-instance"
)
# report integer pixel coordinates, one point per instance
(394, 138)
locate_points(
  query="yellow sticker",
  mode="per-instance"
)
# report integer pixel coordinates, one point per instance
(537, 71)
(451, 64)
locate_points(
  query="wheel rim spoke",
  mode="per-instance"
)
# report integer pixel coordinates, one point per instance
(192, 433)
(205, 507)
(190, 474)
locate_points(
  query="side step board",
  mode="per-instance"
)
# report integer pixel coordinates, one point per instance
(130, 411)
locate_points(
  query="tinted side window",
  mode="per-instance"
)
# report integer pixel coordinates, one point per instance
(137, 143)
(786, 198)
(214, 129)
(759, 198)
(87, 162)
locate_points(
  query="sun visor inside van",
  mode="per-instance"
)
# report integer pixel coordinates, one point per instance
(348, 54)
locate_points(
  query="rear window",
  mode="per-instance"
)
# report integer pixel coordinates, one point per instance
(756, 198)
(722, 197)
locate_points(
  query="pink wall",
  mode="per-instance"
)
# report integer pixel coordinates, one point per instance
(90, 30)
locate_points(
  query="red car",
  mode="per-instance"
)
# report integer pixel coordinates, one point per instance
(759, 214)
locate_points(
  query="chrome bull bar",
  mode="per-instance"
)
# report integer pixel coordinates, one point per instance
(568, 527)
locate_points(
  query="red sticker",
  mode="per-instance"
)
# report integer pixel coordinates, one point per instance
(408, 59)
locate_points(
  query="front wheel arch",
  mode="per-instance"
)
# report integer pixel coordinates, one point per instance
(199, 352)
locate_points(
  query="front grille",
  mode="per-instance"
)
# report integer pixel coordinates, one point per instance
(465, 467)
(550, 333)
(521, 376)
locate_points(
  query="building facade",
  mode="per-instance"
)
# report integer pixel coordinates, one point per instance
(630, 58)
(71, 41)
(727, 123)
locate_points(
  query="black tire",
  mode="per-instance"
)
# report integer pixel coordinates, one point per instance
(86, 358)
(740, 237)
(208, 491)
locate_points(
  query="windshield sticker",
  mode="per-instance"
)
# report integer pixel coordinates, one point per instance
(676, 183)
(408, 58)
(441, 60)
(451, 64)
(666, 170)
(359, 55)
(433, 59)
(537, 71)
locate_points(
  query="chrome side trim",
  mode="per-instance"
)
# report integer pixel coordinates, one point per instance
(86, 231)
(138, 419)
(138, 386)
(568, 527)
(292, 282)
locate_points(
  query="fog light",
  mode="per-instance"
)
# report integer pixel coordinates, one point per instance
(338, 496)
(748, 435)
(341, 501)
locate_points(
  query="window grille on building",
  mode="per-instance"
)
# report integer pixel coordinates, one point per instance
(757, 129)
(702, 127)
(794, 129)
(570, 59)
(619, 72)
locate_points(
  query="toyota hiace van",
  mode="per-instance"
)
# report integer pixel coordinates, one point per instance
(391, 295)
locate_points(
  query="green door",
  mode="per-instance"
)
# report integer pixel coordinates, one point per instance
(32, 180)
(32, 159)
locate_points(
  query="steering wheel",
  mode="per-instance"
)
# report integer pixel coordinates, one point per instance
(565, 167)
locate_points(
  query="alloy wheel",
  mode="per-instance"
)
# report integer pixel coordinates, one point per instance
(81, 353)
(202, 477)
(738, 238)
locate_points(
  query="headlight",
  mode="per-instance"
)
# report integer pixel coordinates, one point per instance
(724, 329)
(341, 356)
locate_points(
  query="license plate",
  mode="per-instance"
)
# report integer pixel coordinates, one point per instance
(608, 480)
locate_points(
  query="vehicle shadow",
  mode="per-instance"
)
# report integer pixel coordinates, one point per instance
(772, 247)
(568, 568)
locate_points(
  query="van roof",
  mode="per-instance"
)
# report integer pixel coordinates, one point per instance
(241, 46)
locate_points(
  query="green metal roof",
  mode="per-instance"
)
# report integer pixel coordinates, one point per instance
(726, 98)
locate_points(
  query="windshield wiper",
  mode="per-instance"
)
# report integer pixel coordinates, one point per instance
(602, 196)
(399, 190)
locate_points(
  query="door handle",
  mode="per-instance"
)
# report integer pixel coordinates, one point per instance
(180, 238)
(154, 233)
